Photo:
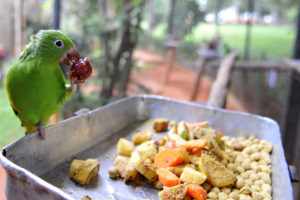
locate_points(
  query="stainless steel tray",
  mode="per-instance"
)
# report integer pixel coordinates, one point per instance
(38, 169)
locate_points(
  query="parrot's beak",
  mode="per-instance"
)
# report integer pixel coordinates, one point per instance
(70, 57)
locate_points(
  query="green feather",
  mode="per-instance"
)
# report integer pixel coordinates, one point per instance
(35, 84)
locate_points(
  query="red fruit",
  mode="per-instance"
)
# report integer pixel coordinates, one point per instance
(80, 71)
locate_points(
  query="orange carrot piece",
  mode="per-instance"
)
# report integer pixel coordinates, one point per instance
(169, 157)
(196, 191)
(167, 178)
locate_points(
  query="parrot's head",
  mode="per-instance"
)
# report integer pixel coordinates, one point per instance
(56, 46)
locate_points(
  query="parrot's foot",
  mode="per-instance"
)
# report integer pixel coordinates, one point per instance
(41, 129)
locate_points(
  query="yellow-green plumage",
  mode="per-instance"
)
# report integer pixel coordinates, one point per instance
(35, 84)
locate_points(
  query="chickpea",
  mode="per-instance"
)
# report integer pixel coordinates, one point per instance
(246, 164)
(255, 156)
(240, 183)
(239, 159)
(266, 188)
(258, 183)
(248, 182)
(265, 169)
(216, 190)
(266, 195)
(245, 197)
(234, 195)
(222, 196)
(254, 177)
(257, 196)
(265, 177)
(244, 175)
(245, 190)
(227, 190)
(212, 195)
(240, 169)
(255, 188)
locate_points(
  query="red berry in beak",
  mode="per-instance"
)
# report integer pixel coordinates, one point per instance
(80, 71)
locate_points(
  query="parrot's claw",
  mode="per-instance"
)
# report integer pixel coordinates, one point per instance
(41, 130)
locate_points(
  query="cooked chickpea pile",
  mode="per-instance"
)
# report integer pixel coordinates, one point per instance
(195, 161)
(249, 159)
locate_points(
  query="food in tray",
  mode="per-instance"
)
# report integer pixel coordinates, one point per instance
(82, 171)
(160, 125)
(195, 161)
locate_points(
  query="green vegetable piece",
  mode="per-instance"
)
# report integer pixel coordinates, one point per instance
(183, 134)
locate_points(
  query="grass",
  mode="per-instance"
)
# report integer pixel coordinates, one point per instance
(10, 126)
(268, 41)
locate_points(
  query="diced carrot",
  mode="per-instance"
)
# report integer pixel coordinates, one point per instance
(167, 178)
(170, 157)
(196, 143)
(196, 191)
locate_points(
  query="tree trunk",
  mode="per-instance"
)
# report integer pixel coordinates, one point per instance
(171, 18)
(19, 26)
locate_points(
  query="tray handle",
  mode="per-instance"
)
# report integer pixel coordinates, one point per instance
(293, 173)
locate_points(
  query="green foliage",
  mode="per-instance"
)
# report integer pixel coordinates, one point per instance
(10, 126)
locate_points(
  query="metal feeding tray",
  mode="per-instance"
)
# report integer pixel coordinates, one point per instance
(38, 169)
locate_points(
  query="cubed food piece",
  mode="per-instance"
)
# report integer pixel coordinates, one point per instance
(126, 169)
(190, 175)
(177, 192)
(160, 125)
(86, 197)
(141, 137)
(147, 150)
(217, 174)
(113, 172)
(177, 170)
(124, 147)
(82, 171)
(145, 167)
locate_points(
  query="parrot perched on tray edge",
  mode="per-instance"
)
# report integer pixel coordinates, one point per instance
(35, 84)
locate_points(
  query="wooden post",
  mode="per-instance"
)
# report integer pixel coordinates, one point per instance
(19, 26)
(170, 61)
(202, 62)
(217, 97)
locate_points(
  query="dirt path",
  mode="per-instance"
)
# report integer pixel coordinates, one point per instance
(180, 84)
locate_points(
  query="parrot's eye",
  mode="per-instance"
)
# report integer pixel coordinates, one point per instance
(59, 43)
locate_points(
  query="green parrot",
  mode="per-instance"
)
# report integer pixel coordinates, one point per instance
(35, 84)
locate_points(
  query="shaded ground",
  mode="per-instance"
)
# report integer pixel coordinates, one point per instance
(180, 84)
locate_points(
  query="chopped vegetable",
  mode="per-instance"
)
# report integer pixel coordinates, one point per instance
(184, 134)
(124, 147)
(177, 192)
(145, 167)
(170, 157)
(196, 191)
(190, 175)
(126, 169)
(217, 174)
(147, 150)
(167, 178)
(160, 125)
(113, 172)
(199, 125)
(195, 146)
(141, 137)
(82, 171)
